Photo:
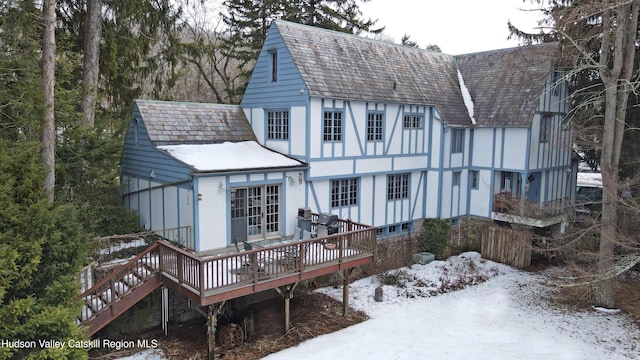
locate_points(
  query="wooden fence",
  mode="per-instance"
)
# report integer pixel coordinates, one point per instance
(507, 246)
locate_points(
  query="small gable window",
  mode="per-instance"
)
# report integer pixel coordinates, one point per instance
(274, 66)
(545, 128)
(457, 140)
(557, 79)
(413, 121)
(278, 125)
(374, 126)
(332, 126)
(136, 132)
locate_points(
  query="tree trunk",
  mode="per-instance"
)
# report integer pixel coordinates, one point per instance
(603, 292)
(90, 63)
(616, 67)
(48, 82)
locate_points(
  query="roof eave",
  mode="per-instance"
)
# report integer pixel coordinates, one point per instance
(302, 166)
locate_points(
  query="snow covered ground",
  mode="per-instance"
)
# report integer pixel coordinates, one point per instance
(505, 317)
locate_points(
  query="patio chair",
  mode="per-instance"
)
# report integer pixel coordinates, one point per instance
(297, 235)
(292, 257)
(246, 268)
(247, 246)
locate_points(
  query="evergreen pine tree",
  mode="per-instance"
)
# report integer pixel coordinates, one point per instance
(43, 248)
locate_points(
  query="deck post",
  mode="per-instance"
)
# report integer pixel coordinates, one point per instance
(287, 315)
(287, 294)
(211, 333)
(212, 320)
(165, 309)
(345, 291)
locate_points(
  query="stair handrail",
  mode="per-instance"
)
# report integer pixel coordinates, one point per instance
(119, 269)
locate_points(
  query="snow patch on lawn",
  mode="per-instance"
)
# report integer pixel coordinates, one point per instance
(496, 312)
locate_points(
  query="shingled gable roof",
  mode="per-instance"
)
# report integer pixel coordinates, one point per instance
(506, 85)
(344, 66)
(169, 122)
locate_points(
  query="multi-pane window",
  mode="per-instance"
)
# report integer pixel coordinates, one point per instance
(274, 66)
(332, 126)
(474, 179)
(413, 121)
(397, 186)
(272, 208)
(457, 140)
(374, 126)
(344, 192)
(278, 125)
(456, 178)
(545, 128)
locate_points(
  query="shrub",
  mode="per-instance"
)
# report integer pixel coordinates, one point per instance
(434, 237)
(397, 278)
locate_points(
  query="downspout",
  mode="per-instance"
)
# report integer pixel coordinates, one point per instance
(469, 169)
(196, 215)
(526, 168)
(440, 170)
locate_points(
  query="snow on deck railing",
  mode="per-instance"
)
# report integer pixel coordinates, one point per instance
(246, 267)
(203, 274)
(119, 283)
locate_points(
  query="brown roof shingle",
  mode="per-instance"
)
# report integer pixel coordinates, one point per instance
(344, 66)
(506, 85)
(169, 122)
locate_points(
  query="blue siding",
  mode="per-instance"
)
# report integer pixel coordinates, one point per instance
(400, 150)
(285, 92)
(140, 158)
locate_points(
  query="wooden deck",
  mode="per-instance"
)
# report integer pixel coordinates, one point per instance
(212, 279)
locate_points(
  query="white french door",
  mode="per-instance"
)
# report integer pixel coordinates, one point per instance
(255, 212)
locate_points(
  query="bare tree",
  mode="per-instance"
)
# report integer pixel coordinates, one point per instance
(613, 26)
(617, 54)
(48, 82)
(205, 54)
(600, 39)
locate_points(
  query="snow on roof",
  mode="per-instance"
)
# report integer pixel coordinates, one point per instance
(229, 156)
(466, 96)
(589, 179)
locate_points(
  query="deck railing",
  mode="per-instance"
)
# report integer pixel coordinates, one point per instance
(215, 273)
(179, 235)
(119, 283)
(505, 203)
(201, 276)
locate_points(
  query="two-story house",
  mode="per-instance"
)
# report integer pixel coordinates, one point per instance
(375, 132)
(339, 141)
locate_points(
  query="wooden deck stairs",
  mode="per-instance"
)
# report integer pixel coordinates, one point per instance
(214, 279)
(120, 290)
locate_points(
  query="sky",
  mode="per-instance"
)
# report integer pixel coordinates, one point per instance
(506, 317)
(457, 27)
